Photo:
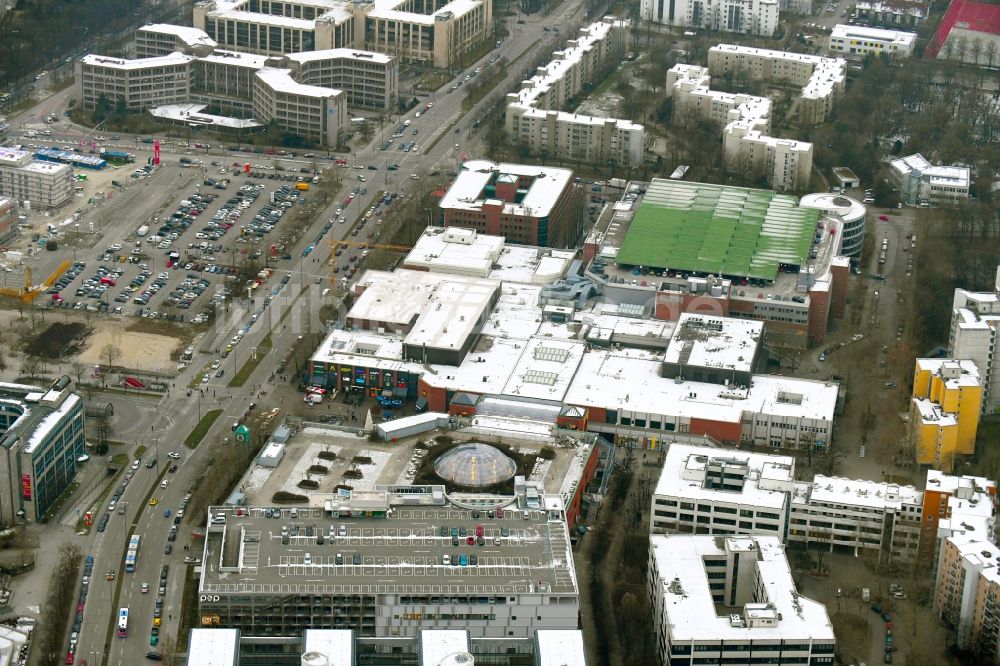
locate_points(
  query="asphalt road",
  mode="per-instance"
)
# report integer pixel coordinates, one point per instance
(179, 413)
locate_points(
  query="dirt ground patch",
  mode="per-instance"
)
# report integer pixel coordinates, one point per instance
(58, 340)
(142, 351)
(850, 629)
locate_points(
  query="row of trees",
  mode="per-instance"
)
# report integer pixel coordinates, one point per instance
(47, 643)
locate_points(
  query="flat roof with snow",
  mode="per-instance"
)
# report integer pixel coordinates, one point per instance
(715, 342)
(187, 34)
(345, 54)
(213, 647)
(280, 80)
(559, 647)
(692, 613)
(130, 64)
(684, 467)
(473, 187)
(897, 37)
(857, 492)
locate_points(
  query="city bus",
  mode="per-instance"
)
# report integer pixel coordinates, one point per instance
(122, 622)
(132, 554)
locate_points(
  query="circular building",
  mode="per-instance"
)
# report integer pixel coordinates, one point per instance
(475, 465)
(850, 211)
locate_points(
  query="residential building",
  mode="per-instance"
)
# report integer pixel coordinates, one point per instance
(41, 444)
(903, 13)
(333, 578)
(533, 116)
(748, 17)
(41, 184)
(440, 34)
(921, 183)
(137, 84)
(955, 507)
(162, 39)
(975, 317)
(795, 280)
(430, 647)
(528, 205)
(969, 32)
(944, 411)
(861, 41)
(732, 600)
(748, 148)
(723, 492)
(822, 79)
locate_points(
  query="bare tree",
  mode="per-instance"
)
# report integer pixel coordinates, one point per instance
(111, 353)
(29, 366)
(78, 369)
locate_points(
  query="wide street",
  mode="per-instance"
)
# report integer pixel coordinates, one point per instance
(439, 130)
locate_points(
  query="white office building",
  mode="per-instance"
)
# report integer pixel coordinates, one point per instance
(137, 83)
(921, 183)
(975, 318)
(748, 17)
(310, 111)
(722, 492)
(41, 184)
(438, 34)
(162, 39)
(726, 492)
(732, 601)
(534, 118)
(862, 40)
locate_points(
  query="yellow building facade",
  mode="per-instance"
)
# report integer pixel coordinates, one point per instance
(944, 411)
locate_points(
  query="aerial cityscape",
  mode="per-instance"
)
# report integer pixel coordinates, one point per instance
(537, 333)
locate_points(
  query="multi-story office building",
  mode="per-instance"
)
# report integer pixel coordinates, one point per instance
(921, 183)
(861, 40)
(722, 492)
(343, 647)
(440, 33)
(8, 219)
(525, 204)
(355, 564)
(310, 111)
(138, 84)
(371, 80)
(732, 601)
(975, 317)
(40, 446)
(713, 491)
(534, 118)
(305, 93)
(748, 17)
(162, 39)
(944, 411)
(42, 184)
(822, 79)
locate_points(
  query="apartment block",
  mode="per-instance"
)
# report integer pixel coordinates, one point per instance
(786, 163)
(944, 411)
(533, 117)
(42, 184)
(955, 507)
(748, 17)
(822, 79)
(921, 183)
(525, 204)
(732, 600)
(861, 40)
(383, 564)
(975, 317)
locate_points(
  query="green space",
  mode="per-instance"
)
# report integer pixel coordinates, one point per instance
(244, 374)
(140, 451)
(200, 430)
(120, 459)
(716, 229)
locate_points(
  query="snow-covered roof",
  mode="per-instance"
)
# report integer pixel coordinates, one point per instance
(897, 37)
(280, 80)
(715, 342)
(857, 492)
(436, 645)
(336, 645)
(938, 175)
(187, 34)
(192, 111)
(236, 59)
(129, 64)
(545, 185)
(48, 422)
(336, 54)
(559, 647)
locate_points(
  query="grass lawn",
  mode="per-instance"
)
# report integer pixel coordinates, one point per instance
(240, 378)
(200, 430)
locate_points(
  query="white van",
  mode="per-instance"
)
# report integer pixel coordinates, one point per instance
(307, 559)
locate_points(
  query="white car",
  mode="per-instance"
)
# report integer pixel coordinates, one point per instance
(164, 483)
(135, 465)
(174, 455)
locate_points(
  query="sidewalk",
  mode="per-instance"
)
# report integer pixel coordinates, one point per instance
(30, 589)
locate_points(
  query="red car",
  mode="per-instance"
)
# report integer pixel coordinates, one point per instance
(884, 218)
(70, 659)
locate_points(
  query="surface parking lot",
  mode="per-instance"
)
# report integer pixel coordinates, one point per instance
(179, 262)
